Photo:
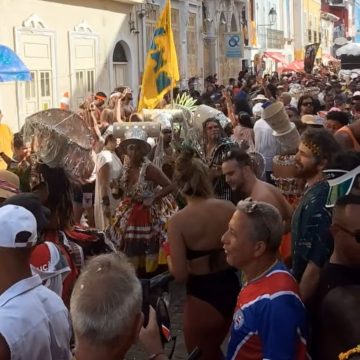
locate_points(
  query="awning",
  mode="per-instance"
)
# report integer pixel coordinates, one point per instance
(276, 56)
(297, 66)
(329, 57)
(11, 66)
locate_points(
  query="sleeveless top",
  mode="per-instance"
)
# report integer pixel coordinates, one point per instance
(142, 188)
(347, 130)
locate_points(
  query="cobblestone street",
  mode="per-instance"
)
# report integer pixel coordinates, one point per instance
(177, 298)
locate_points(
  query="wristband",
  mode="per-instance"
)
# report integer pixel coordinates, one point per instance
(154, 356)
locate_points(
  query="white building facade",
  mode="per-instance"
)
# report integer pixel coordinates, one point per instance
(78, 47)
(187, 29)
(224, 37)
(271, 25)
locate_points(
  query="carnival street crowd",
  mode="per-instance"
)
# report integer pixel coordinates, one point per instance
(250, 197)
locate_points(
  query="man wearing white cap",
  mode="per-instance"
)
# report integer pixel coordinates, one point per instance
(34, 321)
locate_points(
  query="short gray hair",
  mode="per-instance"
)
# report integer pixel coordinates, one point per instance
(266, 220)
(106, 299)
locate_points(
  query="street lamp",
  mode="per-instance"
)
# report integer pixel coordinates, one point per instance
(272, 18)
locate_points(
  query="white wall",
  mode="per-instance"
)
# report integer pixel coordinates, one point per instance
(108, 19)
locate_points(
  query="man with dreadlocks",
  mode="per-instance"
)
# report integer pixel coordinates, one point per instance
(216, 146)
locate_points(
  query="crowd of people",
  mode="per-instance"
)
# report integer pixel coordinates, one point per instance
(259, 220)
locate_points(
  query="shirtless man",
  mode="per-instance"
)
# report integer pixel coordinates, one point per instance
(239, 174)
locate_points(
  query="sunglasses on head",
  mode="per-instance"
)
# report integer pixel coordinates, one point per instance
(341, 182)
(355, 235)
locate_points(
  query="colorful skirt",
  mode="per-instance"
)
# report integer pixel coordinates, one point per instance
(139, 231)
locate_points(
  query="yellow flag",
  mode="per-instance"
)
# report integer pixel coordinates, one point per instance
(161, 68)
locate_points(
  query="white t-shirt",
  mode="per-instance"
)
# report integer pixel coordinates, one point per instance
(34, 322)
(265, 142)
(106, 157)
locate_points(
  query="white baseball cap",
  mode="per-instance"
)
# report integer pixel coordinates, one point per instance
(18, 227)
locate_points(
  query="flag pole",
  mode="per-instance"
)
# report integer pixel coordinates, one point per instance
(171, 86)
(172, 96)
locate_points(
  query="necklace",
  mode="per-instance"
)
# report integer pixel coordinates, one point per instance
(261, 275)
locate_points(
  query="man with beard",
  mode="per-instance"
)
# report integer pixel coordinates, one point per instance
(312, 243)
(239, 175)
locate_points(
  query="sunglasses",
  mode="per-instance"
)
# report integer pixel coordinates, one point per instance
(355, 235)
(307, 104)
(341, 183)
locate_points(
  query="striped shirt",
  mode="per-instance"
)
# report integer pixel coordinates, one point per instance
(269, 321)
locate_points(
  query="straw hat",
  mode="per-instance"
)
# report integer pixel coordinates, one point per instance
(260, 97)
(312, 120)
(136, 136)
(277, 118)
(9, 184)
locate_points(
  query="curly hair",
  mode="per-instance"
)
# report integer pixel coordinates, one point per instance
(216, 121)
(321, 143)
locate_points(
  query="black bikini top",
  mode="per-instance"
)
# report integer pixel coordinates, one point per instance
(196, 254)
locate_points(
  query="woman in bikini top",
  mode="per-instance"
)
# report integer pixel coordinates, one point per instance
(197, 258)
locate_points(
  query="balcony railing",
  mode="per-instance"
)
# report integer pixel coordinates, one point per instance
(275, 39)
